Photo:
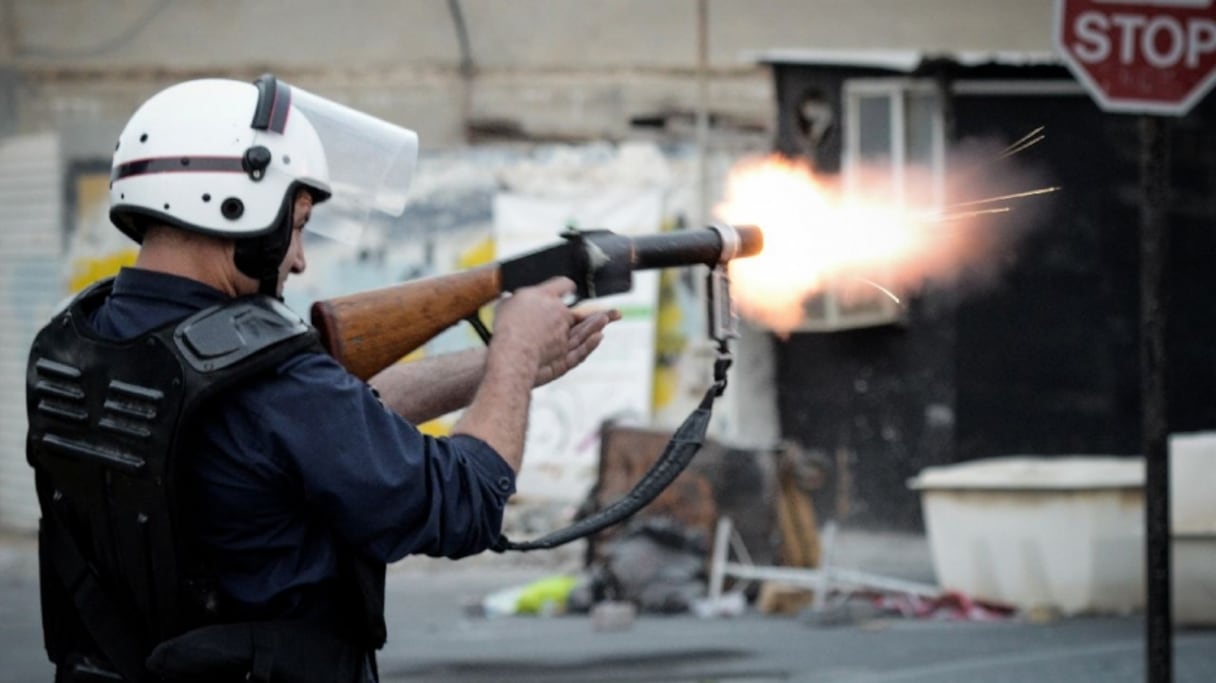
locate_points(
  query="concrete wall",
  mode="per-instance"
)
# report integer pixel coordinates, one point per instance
(548, 68)
(520, 34)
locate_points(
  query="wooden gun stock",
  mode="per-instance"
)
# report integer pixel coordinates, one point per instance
(368, 331)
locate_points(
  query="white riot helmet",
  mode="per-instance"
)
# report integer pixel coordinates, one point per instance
(227, 158)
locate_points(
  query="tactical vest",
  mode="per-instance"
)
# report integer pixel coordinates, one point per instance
(109, 424)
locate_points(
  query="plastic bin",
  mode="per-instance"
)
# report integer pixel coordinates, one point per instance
(1193, 520)
(1057, 533)
(1067, 533)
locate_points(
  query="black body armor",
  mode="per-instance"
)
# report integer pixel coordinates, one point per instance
(109, 425)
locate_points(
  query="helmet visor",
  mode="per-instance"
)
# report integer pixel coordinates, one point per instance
(371, 163)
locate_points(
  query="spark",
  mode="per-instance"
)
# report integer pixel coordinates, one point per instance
(1024, 143)
(960, 215)
(1025, 137)
(891, 295)
(1015, 195)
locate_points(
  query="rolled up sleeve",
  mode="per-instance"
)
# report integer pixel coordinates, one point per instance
(384, 486)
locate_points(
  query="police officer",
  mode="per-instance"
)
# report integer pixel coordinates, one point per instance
(219, 496)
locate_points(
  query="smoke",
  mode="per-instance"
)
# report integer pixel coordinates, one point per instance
(993, 201)
(887, 234)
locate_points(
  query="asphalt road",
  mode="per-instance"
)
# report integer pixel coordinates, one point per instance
(436, 637)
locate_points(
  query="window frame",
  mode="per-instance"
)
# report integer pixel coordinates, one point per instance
(826, 311)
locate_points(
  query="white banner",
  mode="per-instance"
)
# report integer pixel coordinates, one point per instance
(562, 451)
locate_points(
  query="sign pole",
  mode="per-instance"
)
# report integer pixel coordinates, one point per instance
(1154, 293)
(1152, 58)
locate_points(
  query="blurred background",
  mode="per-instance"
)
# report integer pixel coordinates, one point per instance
(948, 304)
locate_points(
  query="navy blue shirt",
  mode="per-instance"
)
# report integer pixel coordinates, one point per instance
(288, 466)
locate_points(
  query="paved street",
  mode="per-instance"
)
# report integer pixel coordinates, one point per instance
(436, 638)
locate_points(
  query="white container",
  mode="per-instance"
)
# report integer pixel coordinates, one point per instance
(1194, 587)
(1193, 520)
(1058, 533)
(1192, 482)
(1068, 533)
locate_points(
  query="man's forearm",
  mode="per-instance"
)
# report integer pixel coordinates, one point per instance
(537, 338)
(431, 387)
(498, 413)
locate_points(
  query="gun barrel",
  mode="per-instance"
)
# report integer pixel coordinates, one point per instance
(684, 247)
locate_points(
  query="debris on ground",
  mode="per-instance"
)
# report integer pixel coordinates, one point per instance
(659, 559)
(656, 564)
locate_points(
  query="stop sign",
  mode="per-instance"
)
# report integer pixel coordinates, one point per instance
(1145, 56)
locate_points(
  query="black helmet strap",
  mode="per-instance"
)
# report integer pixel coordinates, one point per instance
(260, 257)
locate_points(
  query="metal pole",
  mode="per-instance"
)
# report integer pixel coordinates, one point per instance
(703, 112)
(466, 67)
(1154, 245)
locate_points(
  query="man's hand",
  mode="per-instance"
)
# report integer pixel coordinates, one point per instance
(564, 338)
(534, 324)
(532, 330)
(584, 337)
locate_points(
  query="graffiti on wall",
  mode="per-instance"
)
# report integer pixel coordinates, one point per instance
(95, 248)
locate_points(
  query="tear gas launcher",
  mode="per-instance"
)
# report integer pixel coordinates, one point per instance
(369, 331)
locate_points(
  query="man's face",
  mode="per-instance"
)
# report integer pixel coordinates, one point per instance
(294, 261)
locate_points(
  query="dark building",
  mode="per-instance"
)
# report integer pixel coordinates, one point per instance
(1038, 354)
